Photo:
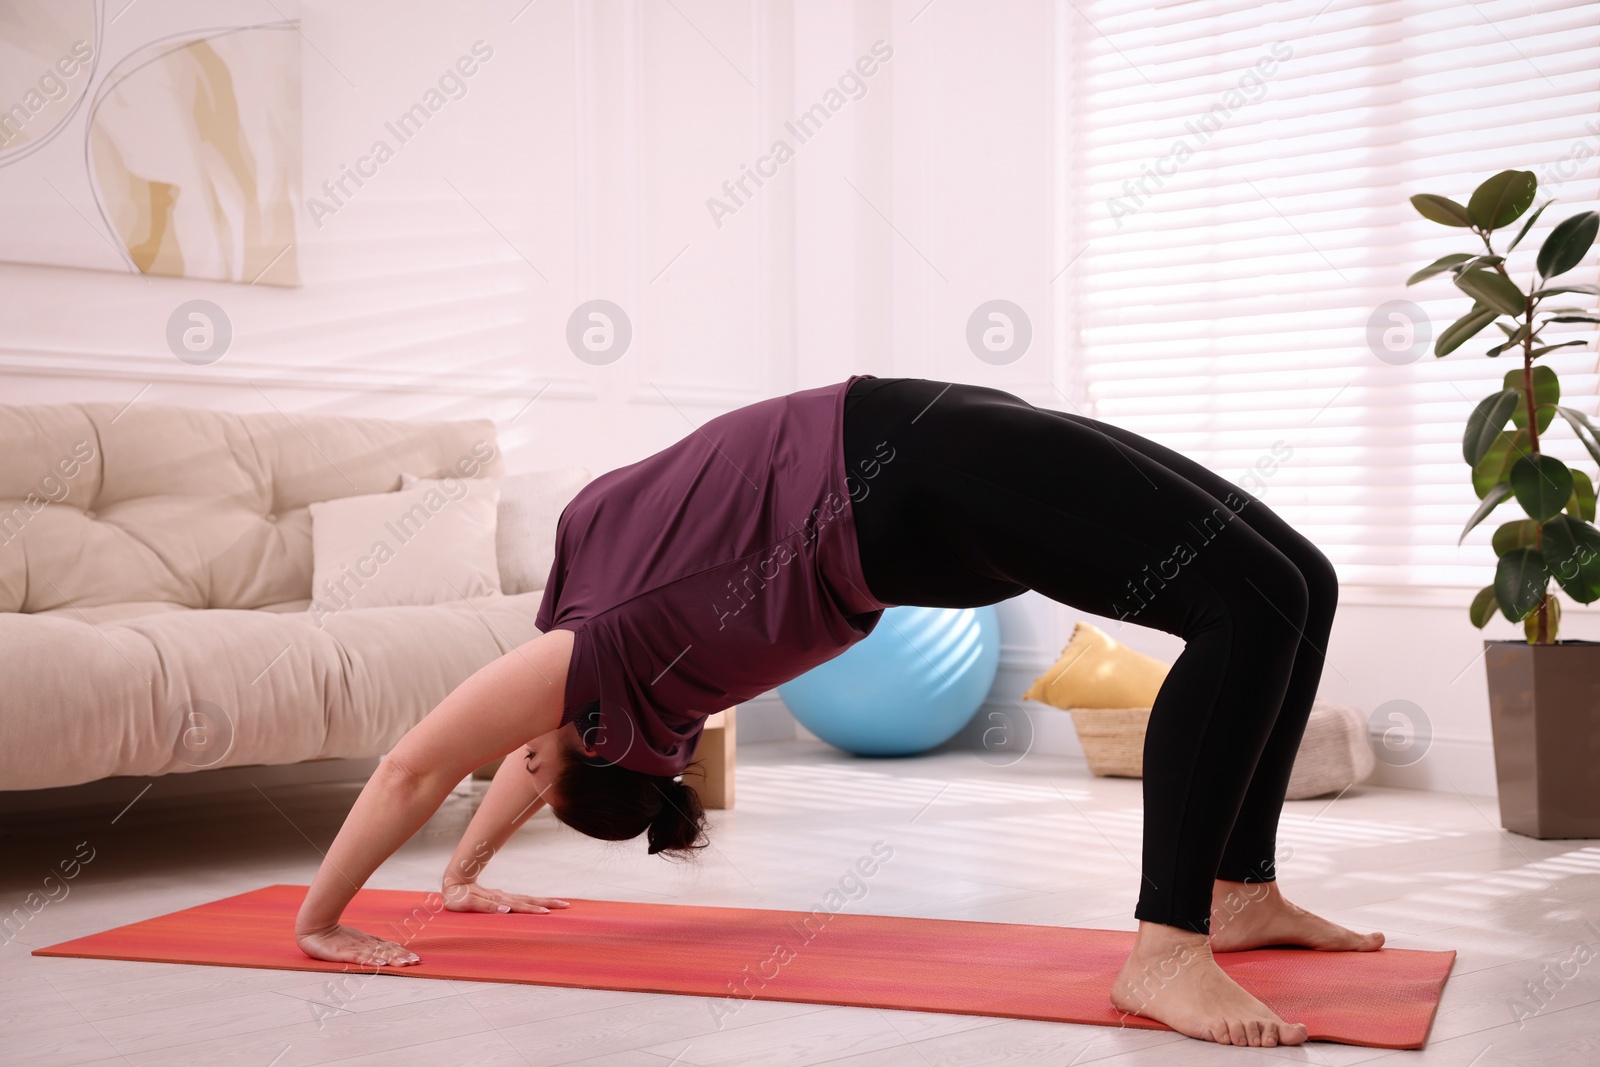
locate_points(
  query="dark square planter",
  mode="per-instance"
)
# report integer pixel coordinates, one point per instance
(1544, 707)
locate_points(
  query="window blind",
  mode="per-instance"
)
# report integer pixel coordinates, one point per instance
(1237, 184)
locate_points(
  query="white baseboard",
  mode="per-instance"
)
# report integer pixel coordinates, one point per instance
(765, 719)
(1450, 765)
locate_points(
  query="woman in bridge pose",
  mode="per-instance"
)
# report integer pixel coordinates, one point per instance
(771, 539)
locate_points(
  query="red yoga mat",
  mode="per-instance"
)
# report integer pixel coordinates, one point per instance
(1383, 999)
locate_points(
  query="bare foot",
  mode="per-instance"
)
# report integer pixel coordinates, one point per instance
(1247, 915)
(1171, 977)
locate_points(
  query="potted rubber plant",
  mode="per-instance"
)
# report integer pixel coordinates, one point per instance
(1544, 693)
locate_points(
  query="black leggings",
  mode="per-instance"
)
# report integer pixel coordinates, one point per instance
(965, 495)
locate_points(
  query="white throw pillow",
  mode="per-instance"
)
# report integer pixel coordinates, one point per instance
(525, 531)
(427, 545)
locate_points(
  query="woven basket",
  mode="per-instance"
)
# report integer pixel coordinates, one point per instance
(1112, 739)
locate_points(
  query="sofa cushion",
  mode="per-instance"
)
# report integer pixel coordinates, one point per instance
(525, 526)
(426, 545)
(287, 689)
(110, 503)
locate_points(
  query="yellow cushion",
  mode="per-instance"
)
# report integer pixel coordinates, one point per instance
(1097, 671)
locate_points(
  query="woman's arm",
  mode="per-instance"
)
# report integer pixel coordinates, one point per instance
(513, 797)
(518, 696)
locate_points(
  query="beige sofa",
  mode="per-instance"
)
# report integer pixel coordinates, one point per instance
(155, 575)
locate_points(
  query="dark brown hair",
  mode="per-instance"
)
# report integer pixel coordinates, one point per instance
(611, 802)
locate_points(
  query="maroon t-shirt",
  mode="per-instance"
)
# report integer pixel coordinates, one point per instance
(707, 574)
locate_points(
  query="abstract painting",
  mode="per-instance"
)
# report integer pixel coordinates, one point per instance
(165, 141)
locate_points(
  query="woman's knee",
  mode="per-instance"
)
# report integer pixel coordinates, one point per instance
(1321, 578)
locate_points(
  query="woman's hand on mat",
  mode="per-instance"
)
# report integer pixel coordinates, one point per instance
(346, 944)
(470, 896)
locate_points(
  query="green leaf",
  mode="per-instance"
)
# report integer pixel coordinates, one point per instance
(1520, 582)
(1441, 209)
(1571, 549)
(1518, 533)
(1567, 244)
(1582, 428)
(1502, 199)
(1486, 422)
(1537, 352)
(1513, 338)
(1554, 290)
(1581, 506)
(1495, 466)
(1497, 495)
(1486, 260)
(1483, 607)
(1439, 266)
(1462, 330)
(1526, 226)
(1543, 485)
(1575, 318)
(1546, 391)
(1495, 290)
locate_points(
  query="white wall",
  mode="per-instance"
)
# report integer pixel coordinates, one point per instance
(575, 166)
(579, 165)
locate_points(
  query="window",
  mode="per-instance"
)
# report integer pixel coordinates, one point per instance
(1236, 179)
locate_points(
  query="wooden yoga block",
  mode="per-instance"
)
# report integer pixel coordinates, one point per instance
(712, 776)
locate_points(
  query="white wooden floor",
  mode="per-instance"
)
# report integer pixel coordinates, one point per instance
(1039, 842)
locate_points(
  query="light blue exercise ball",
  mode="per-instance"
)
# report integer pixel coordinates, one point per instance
(908, 686)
